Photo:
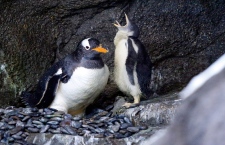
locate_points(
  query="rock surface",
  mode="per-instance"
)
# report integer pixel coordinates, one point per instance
(52, 139)
(182, 38)
(161, 113)
(200, 118)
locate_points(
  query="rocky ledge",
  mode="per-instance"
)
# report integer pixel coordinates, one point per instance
(112, 125)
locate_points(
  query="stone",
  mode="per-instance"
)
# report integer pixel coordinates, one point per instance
(199, 120)
(36, 34)
(119, 137)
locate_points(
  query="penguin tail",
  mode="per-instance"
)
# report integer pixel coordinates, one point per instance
(26, 98)
(148, 92)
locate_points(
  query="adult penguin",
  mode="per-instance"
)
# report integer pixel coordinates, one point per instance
(74, 82)
(132, 70)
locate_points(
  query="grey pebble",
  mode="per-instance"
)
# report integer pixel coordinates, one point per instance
(76, 124)
(55, 131)
(44, 120)
(125, 125)
(26, 118)
(15, 130)
(143, 127)
(127, 120)
(10, 126)
(16, 137)
(56, 119)
(44, 128)
(133, 129)
(115, 127)
(37, 122)
(12, 122)
(54, 126)
(33, 130)
(70, 130)
(20, 123)
(99, 130)
(52, 122)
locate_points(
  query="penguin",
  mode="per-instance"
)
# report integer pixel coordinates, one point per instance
(132, 65)
(73, 82)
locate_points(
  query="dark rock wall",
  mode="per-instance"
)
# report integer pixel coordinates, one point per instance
(182, 37)
(199, 120)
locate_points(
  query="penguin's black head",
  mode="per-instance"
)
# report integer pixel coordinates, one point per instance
(131, 29)
(90, 47)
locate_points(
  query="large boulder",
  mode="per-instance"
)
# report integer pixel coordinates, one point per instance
(200, 118)
(182, 38)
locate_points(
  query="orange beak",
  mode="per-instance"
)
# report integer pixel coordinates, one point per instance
(100, 49)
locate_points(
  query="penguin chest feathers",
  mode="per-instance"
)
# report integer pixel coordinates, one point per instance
(121, 75)
(82, 88)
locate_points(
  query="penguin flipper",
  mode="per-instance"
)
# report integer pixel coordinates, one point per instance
(49, 93)
(144, 79)
(144, 70)
(68, 68)
(42, 98)
(130, 61)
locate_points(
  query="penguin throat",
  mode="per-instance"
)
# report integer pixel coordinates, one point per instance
(91, 57)
(119, 36)
(92, 62)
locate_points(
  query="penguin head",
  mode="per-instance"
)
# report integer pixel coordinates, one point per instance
(90, 47)
(131, 29)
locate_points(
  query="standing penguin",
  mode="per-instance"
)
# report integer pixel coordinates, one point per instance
(74, 82)
(132, 70)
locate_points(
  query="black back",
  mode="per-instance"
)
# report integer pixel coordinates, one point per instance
(141, 63)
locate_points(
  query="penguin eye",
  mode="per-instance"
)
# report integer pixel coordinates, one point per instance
(87, 47)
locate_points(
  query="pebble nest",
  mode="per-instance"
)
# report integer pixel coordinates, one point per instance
(17, 123)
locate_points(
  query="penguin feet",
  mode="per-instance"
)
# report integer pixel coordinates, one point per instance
(136, 102)
(78, 113)
(78, 116)
(130, 105)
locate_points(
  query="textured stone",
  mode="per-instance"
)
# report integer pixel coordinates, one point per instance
(182, 38)
(200, 119)
(162, 110)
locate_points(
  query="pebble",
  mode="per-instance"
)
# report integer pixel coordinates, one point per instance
(70, 130)
(125, 125)
(33, 130)
(17, 123)
(133, 129)
(76, 124)
(52, 122)
(44, 128)
(15, 130)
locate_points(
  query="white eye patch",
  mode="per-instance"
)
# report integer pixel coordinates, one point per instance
(85, 44)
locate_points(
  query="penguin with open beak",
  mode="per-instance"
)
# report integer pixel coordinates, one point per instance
(74, 82)
(132, 65)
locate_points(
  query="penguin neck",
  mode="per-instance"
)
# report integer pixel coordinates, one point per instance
(122, 35)
(119, 36)
(92, 61)
(92, 57)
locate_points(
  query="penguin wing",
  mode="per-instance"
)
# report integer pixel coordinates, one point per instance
(61, 72)
(144, 69)
(68, 67)
(144, 78)
(48, 94)
(130, 61)
(46, 88)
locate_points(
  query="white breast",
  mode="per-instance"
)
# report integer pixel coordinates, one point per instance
(120, 74)
(82, 88)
